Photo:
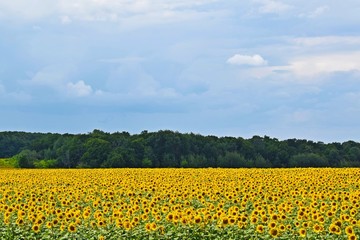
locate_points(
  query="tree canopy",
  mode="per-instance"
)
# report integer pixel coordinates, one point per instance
(167, 148)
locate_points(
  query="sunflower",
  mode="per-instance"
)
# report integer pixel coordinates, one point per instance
(148, 227)
(136, 219)
(39, 221)
(282, 227)
(232, 221)
(86, 214)
(288, 227)
(349, 230)
(241, 225)
(72, 227)
(317, 228)
(197, 219)
(254, 220)
(274, 217)
(127, 225)
(101, 223)
(19, 221)
(36, 228)
(352, 237)
(153, 226)
(93, 224)
(334, 229)
(224, 221)
(260, 228)
(170, 217)
(274, 232)
(184, 220)
(302, 232)
(161, 229)
(305, 224)
(118, 223)
(338, 223)
(272, 224)
(49, 224)
(330, 213)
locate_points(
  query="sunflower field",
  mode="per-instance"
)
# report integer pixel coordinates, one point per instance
(180, 203)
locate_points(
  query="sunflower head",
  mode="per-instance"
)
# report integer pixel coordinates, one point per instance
(72, 227)
(302, 232)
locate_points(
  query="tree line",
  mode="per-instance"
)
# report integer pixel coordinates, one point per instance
(165, 148)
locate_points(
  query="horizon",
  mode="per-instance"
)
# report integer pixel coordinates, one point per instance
(279, 68)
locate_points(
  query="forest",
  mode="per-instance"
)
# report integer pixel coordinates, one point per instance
(166, 148)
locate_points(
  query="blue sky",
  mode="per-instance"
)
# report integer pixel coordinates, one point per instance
(286, 69)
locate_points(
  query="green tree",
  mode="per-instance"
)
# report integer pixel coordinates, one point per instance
(308, 160)
(261, 162)
(26, 158)
(146, 163)
(234, 160)
(96, 152)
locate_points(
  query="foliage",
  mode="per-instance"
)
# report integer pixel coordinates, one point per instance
(308, 160)
(26, 158)
(8, 163)
(51, 163)
(172, 149)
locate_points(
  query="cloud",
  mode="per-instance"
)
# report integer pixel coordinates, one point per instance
(65, 20)
(57, 78)
(318, 11)
(300, 116)
(122, 60)
(13, 97)
(326, 63)
(327, 40)
(271, 6)
(79, 89)
(131, 79)
(305, 69)
(26, 10)
(139, 11)
(308, 67)
(254, 60)
(50, 76)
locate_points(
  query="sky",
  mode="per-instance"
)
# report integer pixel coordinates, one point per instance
(281, 68)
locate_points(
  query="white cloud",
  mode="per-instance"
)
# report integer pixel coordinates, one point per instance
(55, 77)
(144, 11)
(318, 11)
(131, 79)
(26, 10)
(327, 40)
(122, 60)
(79, 89)
(65, 20)
(326, 63)
(300, 116)
(14, 97)
(272, 6)
(50, 76)
(305, 68)
(254, 60)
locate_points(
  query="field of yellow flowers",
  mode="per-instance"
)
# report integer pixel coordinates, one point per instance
(180, 204)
